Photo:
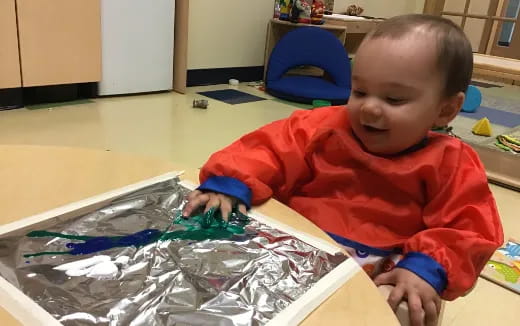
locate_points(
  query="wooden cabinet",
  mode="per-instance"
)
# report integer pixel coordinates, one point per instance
(60, 41)
(9, 60)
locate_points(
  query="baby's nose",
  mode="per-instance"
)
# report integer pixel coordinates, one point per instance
(371, 113)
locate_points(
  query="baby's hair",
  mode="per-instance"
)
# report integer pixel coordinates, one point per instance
(454, 53)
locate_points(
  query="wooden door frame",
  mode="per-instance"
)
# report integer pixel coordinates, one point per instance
(433, 7)
(10, 74)
(180, 52)
(515, 43)
(436, 7)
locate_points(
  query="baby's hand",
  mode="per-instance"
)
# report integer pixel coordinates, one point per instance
(197, 199)
(424, 303)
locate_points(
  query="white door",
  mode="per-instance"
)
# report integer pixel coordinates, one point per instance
(137, 46)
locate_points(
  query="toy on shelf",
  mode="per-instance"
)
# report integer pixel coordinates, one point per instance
(276, 13)
(354, 10)
(301, 11)
(329, 6)
(285, 8)
(318, 8)
(482, 128)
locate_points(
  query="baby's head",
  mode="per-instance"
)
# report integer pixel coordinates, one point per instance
(410, 74)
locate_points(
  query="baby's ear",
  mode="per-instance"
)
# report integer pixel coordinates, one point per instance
(450, 107)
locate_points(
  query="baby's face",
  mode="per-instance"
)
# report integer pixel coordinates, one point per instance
(396, 92)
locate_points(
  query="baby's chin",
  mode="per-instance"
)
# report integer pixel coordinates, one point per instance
(385, 149)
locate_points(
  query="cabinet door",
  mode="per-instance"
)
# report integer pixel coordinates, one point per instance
(60, 41)
(9, 59)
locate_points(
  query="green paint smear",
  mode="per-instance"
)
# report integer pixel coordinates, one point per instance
(46, 253)
(208, 226)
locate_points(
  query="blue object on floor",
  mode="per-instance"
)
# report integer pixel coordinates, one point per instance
(504, 118)
(473, 99)
(232, 96)
(309, 46)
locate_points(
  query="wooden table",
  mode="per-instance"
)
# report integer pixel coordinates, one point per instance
(36, 179)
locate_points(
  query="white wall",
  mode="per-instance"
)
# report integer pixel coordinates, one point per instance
(227, 33)
(382, 8)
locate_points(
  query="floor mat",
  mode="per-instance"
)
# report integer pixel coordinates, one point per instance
(231, 96)
(503, 118)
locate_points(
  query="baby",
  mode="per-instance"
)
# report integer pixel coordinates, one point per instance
(410, 205)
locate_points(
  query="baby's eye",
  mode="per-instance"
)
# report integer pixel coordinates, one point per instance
(358, 93)
(395, 100)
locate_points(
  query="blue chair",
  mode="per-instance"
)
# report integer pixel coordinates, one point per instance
(309, 46)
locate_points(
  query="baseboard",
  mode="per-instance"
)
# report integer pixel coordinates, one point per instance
(202, 77)
(58, 93)
(11, 98)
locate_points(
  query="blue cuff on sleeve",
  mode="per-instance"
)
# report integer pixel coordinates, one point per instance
(426, 268)
(228, 186)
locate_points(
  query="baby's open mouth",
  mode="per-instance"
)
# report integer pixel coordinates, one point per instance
(373, 129)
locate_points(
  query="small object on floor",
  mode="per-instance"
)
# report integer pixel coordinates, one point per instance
(482, 128)
(200, 104)
(233, 82)
(473, 99)
(320, 103)
(508, 143)
(259, 83)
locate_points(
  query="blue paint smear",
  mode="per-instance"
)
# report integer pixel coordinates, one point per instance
(139, 239)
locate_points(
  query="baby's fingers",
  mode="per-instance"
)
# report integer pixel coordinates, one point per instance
(226, 206)
(195, 201)
(213, 202)
(242, 209)
(431, 316)
(395, 297)
(416, 310)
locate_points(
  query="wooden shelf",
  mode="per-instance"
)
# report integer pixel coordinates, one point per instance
(324, 26)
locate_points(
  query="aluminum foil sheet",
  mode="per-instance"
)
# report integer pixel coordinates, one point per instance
(239, 278)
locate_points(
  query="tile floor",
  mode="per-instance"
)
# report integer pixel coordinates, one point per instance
(164, 126)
